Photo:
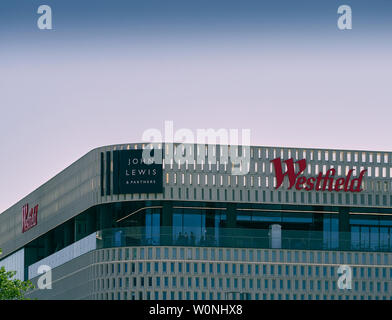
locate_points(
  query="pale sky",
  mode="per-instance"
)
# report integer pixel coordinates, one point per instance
(95, 81)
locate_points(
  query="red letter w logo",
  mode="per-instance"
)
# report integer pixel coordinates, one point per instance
(290, 171)
(29, 220)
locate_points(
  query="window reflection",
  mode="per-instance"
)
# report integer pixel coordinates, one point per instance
(249, 227)
(331, 231)
(197, 226)
(371, 233)
(153, 226)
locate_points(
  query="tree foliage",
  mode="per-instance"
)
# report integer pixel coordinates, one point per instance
(12, 289)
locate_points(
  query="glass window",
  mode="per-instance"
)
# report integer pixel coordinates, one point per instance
(205, 254)
(220, 254)
(235, 254)
(152, 226)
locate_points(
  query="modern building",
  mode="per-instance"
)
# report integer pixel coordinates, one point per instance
(299, 224)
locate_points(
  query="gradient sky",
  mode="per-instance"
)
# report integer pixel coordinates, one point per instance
(111, 69)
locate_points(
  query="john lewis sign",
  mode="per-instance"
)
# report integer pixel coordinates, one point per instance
(131, 174)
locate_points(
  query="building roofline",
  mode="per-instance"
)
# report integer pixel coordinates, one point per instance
(97, 149)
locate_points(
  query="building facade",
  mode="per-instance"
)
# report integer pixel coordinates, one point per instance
(292, 224)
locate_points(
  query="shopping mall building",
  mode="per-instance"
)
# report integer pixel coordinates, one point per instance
(113, 227)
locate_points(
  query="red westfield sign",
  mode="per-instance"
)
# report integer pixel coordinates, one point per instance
(319, 183)
(29, 218)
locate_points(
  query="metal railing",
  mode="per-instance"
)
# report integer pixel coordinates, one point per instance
(235, 238)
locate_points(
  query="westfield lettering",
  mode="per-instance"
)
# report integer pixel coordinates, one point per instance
(29, 217)
(322, 182)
